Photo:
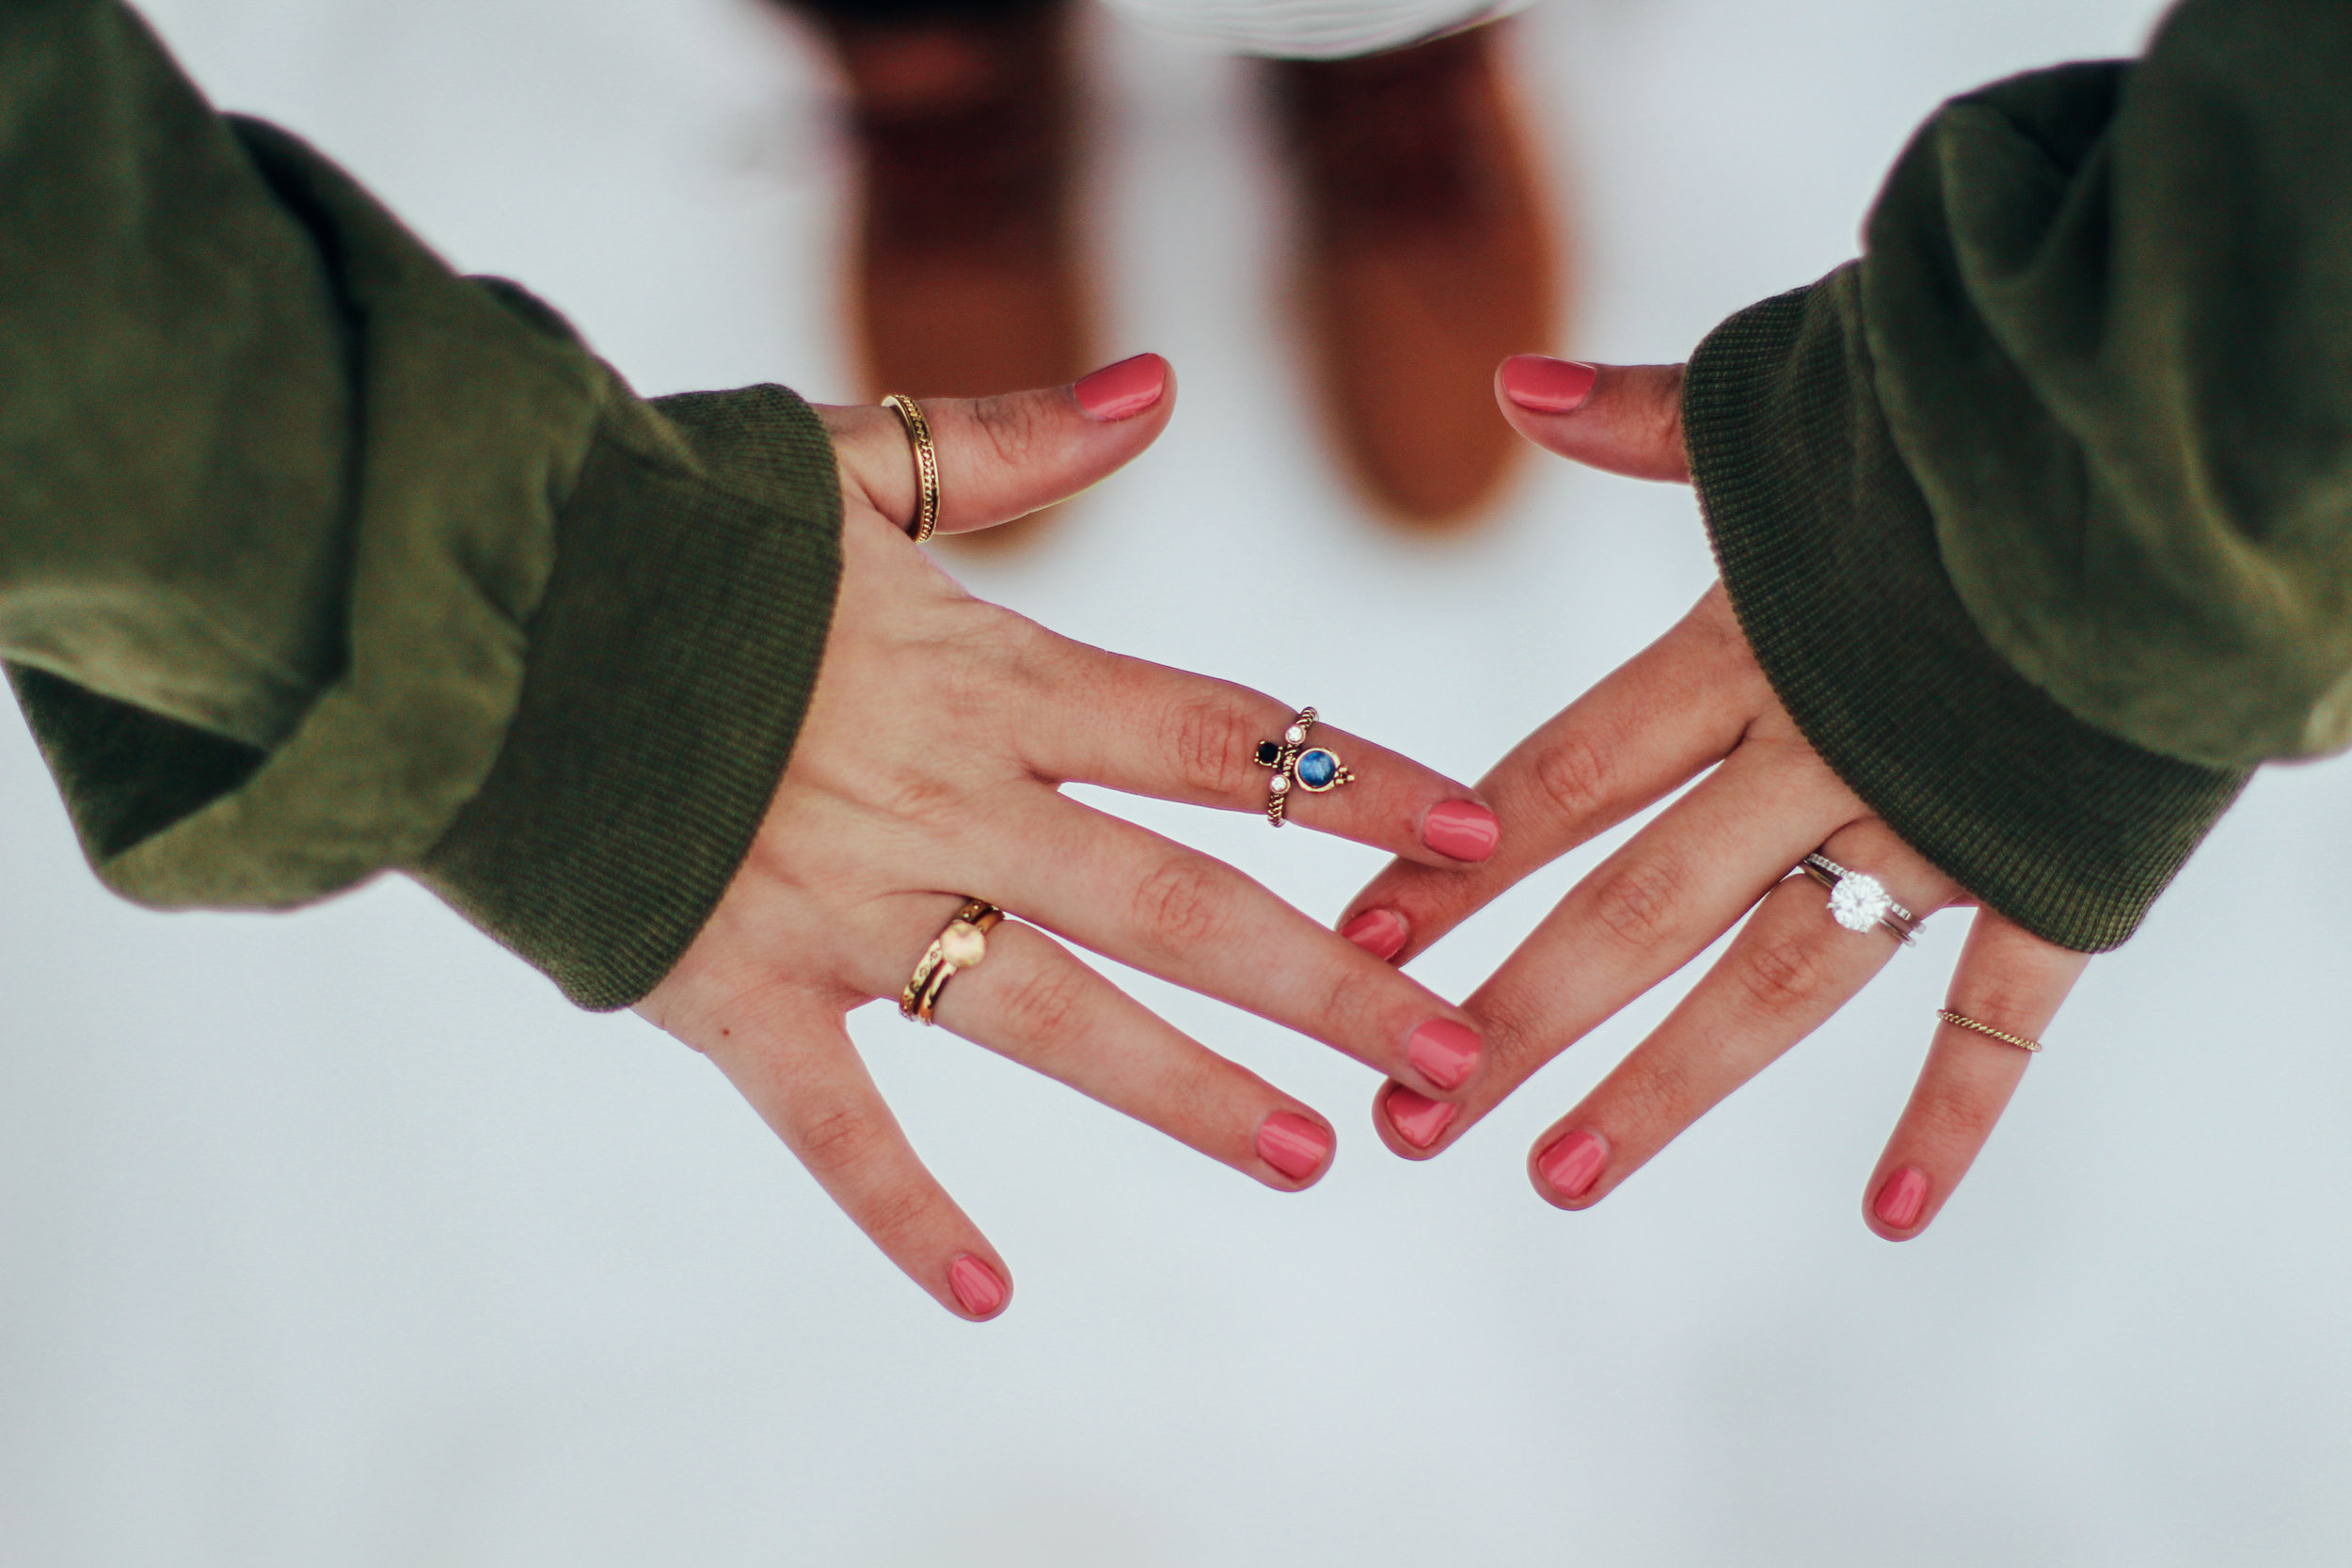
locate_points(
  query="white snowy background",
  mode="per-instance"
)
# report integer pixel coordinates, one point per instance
(339, 1239)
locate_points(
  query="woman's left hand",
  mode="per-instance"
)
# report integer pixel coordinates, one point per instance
(1692, 701)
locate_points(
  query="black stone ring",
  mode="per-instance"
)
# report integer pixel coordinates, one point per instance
(1297, 765)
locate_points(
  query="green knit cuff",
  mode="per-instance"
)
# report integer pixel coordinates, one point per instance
(669, 668)
(1829, 554)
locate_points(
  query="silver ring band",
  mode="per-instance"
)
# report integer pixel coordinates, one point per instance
(1859, 901)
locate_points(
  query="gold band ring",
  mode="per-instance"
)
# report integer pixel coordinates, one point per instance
(926, 465)
(1965, 1022)
(961, 946)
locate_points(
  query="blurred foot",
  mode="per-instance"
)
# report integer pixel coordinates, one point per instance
(966, 279)
(1428, 259)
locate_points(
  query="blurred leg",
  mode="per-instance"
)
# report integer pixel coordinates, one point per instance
(1428, 259)
(966, 279)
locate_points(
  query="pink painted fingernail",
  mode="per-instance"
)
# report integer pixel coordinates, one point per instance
(1463, 828)
(1546, 385)
(1903, 1197)
(1293, 1144)
(976, 1288)
(1574, 1163)
(1378, 932)
(1123, 390)
(1418, 1119)
(1442, 1051)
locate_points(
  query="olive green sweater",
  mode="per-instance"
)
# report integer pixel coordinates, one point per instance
(318, 561)
(2040, 515)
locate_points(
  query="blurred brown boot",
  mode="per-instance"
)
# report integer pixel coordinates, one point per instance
(966, 278)
(1427, 260)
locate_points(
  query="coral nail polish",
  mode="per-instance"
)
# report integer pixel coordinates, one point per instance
(1546, 385)
(1902, 1200)
(1574, 1163)
(1418, 1119)
(1293, 1144)
(977, 1289)
(1378, 932)
(1442, 1051)
(1123, 390)
(1462, 829)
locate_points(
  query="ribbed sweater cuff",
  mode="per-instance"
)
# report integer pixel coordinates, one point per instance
(669, 668)
(1829, 554)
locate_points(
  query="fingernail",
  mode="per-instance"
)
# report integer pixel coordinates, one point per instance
(1378, 932)
(1123, 390)
(1546, 385)
(1903, 1197)
(976, 1288)
(1573, 1164)
(1293, 1144)
(1442, 1051)
(1418, 1119)
(1463, 828)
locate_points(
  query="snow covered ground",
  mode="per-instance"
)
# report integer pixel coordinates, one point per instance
(339, 1240)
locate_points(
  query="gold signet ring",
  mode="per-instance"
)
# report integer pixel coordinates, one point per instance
(961, 946)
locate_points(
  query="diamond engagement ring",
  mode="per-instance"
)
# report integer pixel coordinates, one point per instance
(1295, 764)
(1859, 901)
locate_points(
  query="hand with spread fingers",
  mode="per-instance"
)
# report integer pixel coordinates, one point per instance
(1769, 836)
(918, 849)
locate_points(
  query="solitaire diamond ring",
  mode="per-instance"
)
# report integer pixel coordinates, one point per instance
(1859, 901)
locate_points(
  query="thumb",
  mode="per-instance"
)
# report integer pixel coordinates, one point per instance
(1620, 419)
(1004, 457)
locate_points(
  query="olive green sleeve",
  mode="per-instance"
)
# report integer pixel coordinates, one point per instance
(317, 560)
(2040, 515)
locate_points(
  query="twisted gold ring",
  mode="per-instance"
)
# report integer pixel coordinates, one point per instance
(926, 465)
(961, 946)
(1965, 1022)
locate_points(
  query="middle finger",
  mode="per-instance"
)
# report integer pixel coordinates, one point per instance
(1640, 915)
(1152, 903)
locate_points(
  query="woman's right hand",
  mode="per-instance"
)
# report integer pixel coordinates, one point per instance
(927, 771)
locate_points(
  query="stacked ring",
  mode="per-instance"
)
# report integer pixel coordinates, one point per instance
(1313, 769)
(961, 946)
(1859, 901)
(926, 465)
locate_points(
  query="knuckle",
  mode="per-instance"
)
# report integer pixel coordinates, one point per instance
(1573, 776)
(1515, 1025)
(1213, 741)
(1956, 1120)
(1010, 425)
(1046, 1008)
(897, 1217)
(836, 1139)
(1180, 906)
(1636, 902)
(1781, 974)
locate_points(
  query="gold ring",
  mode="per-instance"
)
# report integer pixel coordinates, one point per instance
(1313, 769)
(1965, 1022)
(926, 465)
(961, 946)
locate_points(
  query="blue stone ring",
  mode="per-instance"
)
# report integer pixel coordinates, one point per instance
(1298, 766)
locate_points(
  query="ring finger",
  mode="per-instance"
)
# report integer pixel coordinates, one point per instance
(1790, 966)
(1032, 1000)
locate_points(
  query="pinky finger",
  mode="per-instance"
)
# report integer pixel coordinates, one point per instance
(796, 1066)
(2008, 979)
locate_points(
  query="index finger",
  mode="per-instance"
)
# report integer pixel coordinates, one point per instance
(1148, 729)
(1672, 709)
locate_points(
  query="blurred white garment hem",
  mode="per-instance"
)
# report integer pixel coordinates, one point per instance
(1311, 29)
